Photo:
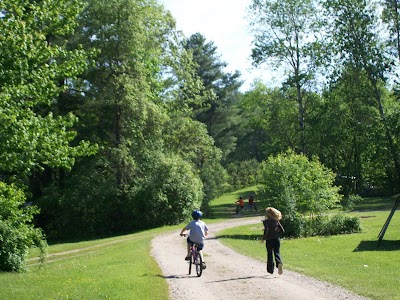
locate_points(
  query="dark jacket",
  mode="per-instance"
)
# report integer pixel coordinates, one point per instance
(272, 229)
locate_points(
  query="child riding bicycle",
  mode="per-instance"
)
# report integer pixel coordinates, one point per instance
(198, 232)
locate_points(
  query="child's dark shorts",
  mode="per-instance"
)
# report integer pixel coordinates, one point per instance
(199, 246)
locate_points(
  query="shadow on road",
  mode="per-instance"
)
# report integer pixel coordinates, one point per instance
(241, 278)
(215, 281)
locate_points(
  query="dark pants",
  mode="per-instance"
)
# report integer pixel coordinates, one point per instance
(273, 247)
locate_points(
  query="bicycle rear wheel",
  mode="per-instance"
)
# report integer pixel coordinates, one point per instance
(199, 265)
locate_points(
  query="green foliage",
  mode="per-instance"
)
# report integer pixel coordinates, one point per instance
(31, 71)
(243, 173)
(270, 118)
(34, 70)
(286, 38)
(170, 194)
(294, 184)
(294, 225)
(190, 139)
(362, 48)
(350, 202)
(218, 112)
(17, 233)
(331, 225)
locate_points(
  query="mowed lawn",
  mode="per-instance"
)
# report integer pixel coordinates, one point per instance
(121, 267)
(353, 261)
(113, 268)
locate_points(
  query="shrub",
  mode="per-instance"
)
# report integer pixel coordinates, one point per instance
(17, 233)
(294, 184)
(349, 202)
(313, 226)
(293, 226)
(337, 224)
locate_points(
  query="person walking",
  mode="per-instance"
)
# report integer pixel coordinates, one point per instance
(272, 232)
(240, 206)
(252, 204)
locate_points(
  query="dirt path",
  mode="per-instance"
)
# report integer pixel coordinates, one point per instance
(230, 275)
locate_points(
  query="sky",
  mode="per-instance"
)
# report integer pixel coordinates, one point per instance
(223, 23)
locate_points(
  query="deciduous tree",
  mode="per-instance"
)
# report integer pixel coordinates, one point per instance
(285, 37)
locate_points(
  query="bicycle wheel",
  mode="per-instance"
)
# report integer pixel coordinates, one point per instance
(199, 265)
(190, 262)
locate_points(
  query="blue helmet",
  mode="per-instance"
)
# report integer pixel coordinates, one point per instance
(197, 214)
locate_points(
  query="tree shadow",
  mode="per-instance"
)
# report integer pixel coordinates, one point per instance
(250, 237)
(186, 276)
(384, 245)
(374, 204)
(241, 278)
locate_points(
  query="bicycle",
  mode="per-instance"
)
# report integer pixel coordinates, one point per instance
(195, 259)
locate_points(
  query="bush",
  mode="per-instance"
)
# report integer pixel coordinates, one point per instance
(338, 224)
(349, 202)
(172, 194)
(294, 184)
(313, 226)
(17, 233)
(293, 226)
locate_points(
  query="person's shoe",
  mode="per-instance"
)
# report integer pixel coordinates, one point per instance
(280, 269)
(269, 271)
(187, 258)
(204, 265)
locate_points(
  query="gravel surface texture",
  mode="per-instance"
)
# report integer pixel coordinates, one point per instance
(230, 275)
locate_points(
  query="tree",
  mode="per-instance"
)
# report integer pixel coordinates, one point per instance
(271, 111)
(344, 130)
(134, 101)
(117, 99)
(189, 139)
(30, 72)
(34, 138)
(218, 110)
(359, 48)
(391, 17)
(285, 35)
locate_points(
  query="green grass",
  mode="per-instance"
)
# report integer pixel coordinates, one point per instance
(113, 268)
(352, 261)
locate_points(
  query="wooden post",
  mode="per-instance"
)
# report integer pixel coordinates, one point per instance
(385, 226)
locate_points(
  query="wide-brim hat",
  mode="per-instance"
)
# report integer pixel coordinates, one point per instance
(273, 213)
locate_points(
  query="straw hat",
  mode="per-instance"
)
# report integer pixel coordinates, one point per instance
(273, 213)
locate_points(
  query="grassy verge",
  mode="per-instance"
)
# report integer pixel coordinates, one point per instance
(352, 261)
(114, 268)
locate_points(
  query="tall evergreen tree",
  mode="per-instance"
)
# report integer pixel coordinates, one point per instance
(218, 112)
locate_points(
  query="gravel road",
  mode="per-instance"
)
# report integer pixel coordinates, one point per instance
(230, 275)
